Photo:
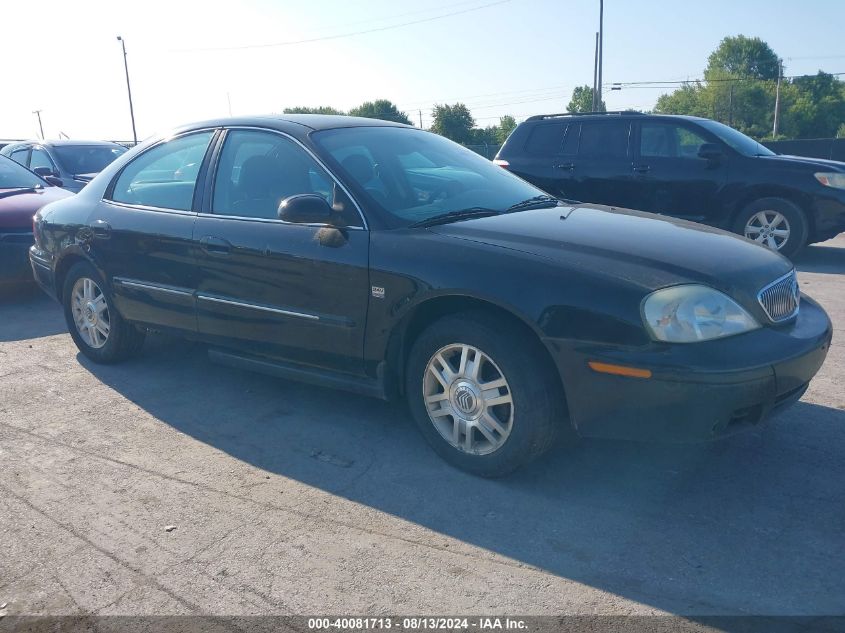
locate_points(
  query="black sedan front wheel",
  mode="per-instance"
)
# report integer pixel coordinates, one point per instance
(482, 393)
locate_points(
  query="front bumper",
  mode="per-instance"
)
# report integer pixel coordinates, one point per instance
(829, 216)
(14, 263)
(697, 391)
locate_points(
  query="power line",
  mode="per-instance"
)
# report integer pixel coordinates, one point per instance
(629, 84)
(342, 35)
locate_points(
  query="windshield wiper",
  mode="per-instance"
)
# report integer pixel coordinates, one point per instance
(18, 190)
(454, 216)
(537, 202)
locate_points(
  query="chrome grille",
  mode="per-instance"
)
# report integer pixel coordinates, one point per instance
(780, 299)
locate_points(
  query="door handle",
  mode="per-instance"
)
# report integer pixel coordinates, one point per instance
(215, 245)
(566, 166)
(100, 228)
(642, 169)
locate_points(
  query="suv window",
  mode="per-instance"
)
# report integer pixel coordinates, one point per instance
(20, 156)
(165, 176)
(257, 170)
(668, 140)
(604, 139)
(545, 139)
(570, 141)
(40, 158)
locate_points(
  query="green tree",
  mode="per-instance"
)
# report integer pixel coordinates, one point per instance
(507, 124)
(455, 122)
(582, 101)
(380, 109)
(310, 110)
(813, 106)
(743, 57)
(484, 136)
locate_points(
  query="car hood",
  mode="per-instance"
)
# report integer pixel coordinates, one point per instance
(16, 210)
(804, 161)
(650, 251)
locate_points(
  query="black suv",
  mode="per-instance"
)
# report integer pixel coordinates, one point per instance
(686, 167)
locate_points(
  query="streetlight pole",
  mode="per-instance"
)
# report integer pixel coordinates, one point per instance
(40, 127)
(128, 89)
(777, 100)
(601, 54)
(594, 107)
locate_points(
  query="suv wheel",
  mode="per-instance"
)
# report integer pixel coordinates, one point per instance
(94, 324)
(774, 222)
(482, 394)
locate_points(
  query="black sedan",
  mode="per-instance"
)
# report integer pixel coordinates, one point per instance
(389, 261)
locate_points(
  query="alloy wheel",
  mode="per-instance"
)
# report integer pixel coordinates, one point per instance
(468, 399)
(90, 312)
(770, 228)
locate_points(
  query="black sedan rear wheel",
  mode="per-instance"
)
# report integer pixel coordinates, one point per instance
(482, 393)
(92, 320)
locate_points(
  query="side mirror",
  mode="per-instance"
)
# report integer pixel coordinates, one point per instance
(710, 151)
(305, 208)
(54, 180)
(44, 171)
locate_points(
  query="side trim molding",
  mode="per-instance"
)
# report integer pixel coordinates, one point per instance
(254, 306)
(142, 285)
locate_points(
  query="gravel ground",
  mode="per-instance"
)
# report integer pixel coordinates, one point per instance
(169, 485)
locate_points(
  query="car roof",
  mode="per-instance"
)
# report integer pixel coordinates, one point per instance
(64, 143)
(309, 122)
(621, 114)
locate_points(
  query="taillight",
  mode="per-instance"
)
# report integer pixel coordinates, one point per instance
(501, 162)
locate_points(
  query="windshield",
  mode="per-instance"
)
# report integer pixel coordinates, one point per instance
(737, 140)
(13, 176)
(415, 175)
(86, 159)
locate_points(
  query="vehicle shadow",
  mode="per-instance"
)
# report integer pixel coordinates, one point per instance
(28, 313)
(822, 258)
(749, 524)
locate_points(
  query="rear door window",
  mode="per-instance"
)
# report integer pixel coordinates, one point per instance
(604, 139)
(545, 139)
(165, 176)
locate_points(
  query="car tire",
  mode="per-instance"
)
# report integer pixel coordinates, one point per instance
(491, 352)
(766, 220)
(97, 328)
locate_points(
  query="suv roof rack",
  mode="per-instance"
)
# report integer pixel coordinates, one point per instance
(540, 117)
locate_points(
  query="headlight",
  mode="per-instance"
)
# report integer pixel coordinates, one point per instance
(690, 313)
(831, 179)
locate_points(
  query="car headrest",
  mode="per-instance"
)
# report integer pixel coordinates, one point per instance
(258, 176)
(359, 167)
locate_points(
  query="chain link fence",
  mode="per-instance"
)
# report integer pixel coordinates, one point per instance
(487, 151)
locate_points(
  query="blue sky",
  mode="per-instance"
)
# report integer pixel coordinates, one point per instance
(517, 57)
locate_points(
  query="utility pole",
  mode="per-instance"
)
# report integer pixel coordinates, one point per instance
(40, 127)
(595, 74)
(731, 105)
(601, 53)
(420, 119)
(777, 100)
(229, 100)
(128, 89)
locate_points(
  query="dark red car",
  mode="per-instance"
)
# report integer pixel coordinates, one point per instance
(22, 193)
